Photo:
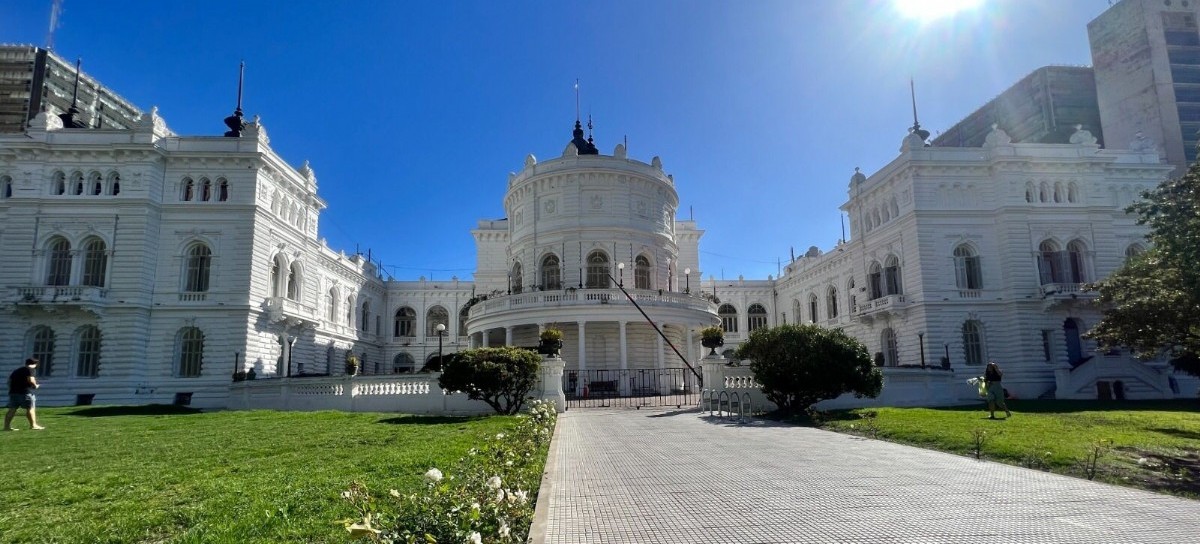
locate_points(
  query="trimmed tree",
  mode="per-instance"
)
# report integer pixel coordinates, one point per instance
(502, 377)
(1152, 303)
(800, 365)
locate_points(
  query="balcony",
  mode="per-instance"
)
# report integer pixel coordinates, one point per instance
(92, 299)
(281, 309)
(1064, 293)
(592, 300)
(882, 306)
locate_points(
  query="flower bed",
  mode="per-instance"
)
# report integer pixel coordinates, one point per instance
(488, 496)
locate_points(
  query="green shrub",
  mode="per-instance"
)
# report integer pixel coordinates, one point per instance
(800, 365)
(502, 377)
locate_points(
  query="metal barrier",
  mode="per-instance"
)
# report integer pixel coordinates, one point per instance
(631, 388)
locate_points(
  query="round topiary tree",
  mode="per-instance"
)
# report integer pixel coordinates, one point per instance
(800, 365)
(502, 377)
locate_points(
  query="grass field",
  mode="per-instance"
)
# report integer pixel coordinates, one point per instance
(163, 474)
(1153, 445)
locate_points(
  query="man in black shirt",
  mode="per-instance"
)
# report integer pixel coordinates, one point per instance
(21, 385)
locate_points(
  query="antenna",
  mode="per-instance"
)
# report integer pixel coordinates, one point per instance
(576, 99)
(916, 128)
(242, 78)
(55, 12)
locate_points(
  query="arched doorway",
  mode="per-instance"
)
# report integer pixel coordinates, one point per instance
(1074, 345)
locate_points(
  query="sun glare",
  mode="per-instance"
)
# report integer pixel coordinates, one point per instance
(929, 10)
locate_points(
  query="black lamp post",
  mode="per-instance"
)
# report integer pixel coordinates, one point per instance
(441, 329)
(291, 342)
(621, 270)
(947, 346)
(687, 280)
(921, 341)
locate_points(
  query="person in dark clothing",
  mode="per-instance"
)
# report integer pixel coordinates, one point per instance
(995, 389)
(21, 385)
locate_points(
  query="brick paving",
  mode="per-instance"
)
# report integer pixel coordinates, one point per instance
(657, 476)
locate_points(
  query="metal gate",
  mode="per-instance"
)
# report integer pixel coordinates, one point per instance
(675, 387)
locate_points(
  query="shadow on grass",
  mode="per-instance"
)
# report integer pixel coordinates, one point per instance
(430, 420)
(1071, 406)
(146, 410)
(1178, 433)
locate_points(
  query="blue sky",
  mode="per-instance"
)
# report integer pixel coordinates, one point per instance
(413, 113)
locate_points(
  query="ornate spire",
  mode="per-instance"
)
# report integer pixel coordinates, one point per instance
(916, 128)
(71, 118)
(582, 146)
(234, 122)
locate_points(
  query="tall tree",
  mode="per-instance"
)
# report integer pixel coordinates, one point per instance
(1152, 303)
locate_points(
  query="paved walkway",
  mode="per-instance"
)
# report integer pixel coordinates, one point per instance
(653, 476)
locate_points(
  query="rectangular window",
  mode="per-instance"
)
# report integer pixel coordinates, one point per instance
(1046, 345)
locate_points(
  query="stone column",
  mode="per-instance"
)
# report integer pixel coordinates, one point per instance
(582, 349)
(658, 353)
(484, 337)
(713, 369)
(624, 346)
(552, 382)
(508, 331)
(691, 344)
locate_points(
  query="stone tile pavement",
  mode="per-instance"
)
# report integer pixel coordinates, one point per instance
(658, 476)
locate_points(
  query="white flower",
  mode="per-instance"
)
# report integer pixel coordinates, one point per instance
(475, 538)
(475, 506)
(345, 494)
(522, 496)
(499, 495)
(433, 476)
(504, 530)
(500, 436)
(492, 483)
(512, 497)
(394, 493)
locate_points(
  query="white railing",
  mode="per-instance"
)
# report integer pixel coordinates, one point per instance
(581, 297)
(192, 297)
(37, 294)
(887, 302)
(969, 293)
(281, 307)
(1060, 290)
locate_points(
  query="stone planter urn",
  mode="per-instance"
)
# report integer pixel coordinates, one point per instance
(712, 338)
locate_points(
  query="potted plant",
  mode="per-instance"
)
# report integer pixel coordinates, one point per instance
(352, 364)
(712, 338)
(551, 342)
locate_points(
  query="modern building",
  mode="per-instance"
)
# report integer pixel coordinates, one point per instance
(1044, 107)
(1146, 60)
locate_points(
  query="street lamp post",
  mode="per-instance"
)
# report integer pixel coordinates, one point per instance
(921, 340)
(441, 329)
(621, 270)
(291, 342)
(687, 280)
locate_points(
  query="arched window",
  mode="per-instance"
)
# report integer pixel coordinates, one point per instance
(831, 302)
(364, 321)
(293, 282)
(41, 347)
(1050, 263)
(853, 295)
(196, 269)
(87, 352)
(403, 363)
(551, 273)
(436, 315)
(514, 279)
(330, 354)
(728, 315)
(967, 274)
(1058, 192)
(189, 352)
(972, 342)
(1072, 192)
(95, 184)
(222, 189)
(205, 189)
(95, 262)
(189, 190)
(797, 316)
(5, 187)
(331, 306)
(891, 273)
(114, 183)
(875, 281)
(641, 272)
(1077, 260)
(1029, 191)
(60, 183)
(462, 320)
(405, 323)
(891, 352)
(58, 265)
(597, 270)
(1044, 192)
(757, 317)
(812, 308)
(77, 183)
(349, 307)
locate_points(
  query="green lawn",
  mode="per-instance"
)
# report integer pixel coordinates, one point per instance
(1149, 444)
(162, 474)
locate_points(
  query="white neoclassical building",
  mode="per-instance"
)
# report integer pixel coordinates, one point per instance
(143, 266)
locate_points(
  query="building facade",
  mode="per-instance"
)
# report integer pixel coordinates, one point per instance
(33, 79)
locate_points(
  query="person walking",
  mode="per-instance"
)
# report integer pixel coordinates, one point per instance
(21, 385)
(992, 377)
